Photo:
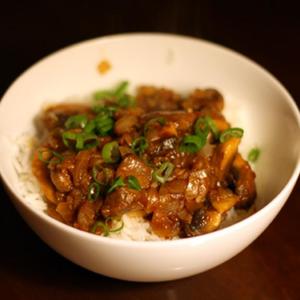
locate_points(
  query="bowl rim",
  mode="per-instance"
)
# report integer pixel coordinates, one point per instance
(166, 243)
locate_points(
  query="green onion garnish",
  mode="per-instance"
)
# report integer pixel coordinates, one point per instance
(164, 172)
(103, 95)
(253, 155)
(67, 136)
(110, 152)
(213, 127)
(160, 120)
(230, 133)
(105, 110)
(90, 126)
(103, 124)
(82, 140)
(118, 94)
(201, 126)
(205, 124)
(93, 192)
(121, 89)
(59, 157)
(126, 101)
(118, 182)
(77, 121)
(97, 168)
(103, 226)
(133, 183)
(116, 229)
(139, 145)
(192, 143)
(86, 141)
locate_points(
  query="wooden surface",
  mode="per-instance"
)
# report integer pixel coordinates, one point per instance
(268, 32)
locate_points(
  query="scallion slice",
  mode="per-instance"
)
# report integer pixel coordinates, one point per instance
(85, 140)
(139, 145)
(95, 170)
(192, 143)
(90, 126)
(110, 152)
(118, 182)
(159, 120)
(105, 110)
(106, 174)
(93, 192)
(118, 94)
(254, 154)
(76, 121)
(68, 136)
(103, 124)
(59, 157)
(99, 95)
(229, 133)
(133, 183)
(164, 172)
(121, 89)
(118, 229)
(82, 140)
(103, 226)
(126, 101)
(106, 227)
(205, 124)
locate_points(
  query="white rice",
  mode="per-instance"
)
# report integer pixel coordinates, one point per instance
(135, 228)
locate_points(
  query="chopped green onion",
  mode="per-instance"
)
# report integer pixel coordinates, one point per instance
(77, 121)
(118, 92)
(126, 101)
(110, 152)
(83, 140)
(97, 168)
(201, 126)
(115, 229)
(103, 226)
(230, 133)
(205, 124)
(121, 89)
(66, 136)
(164, 172)
(86, 140)
(192, 143)
(118, 182)
(133, 183)
(139, 145)
(106, 227)
(90, 126)
(253, 155)
(119, 95)
(103, 95)
(213, 127)
(105, 110)
(59, 157)
(93, 192)
(160, 120)
(104, 124)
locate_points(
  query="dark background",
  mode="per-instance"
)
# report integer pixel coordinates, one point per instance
(266, 31)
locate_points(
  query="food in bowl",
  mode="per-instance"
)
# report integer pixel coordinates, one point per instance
(171, 162)
(250, 92)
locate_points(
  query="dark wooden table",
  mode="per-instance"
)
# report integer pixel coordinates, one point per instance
(268, 32)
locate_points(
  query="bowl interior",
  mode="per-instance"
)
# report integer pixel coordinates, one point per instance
(254, 100)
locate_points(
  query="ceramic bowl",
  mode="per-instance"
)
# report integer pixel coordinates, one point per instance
(255, 101)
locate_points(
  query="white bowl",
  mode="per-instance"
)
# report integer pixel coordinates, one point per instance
(255, 101)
